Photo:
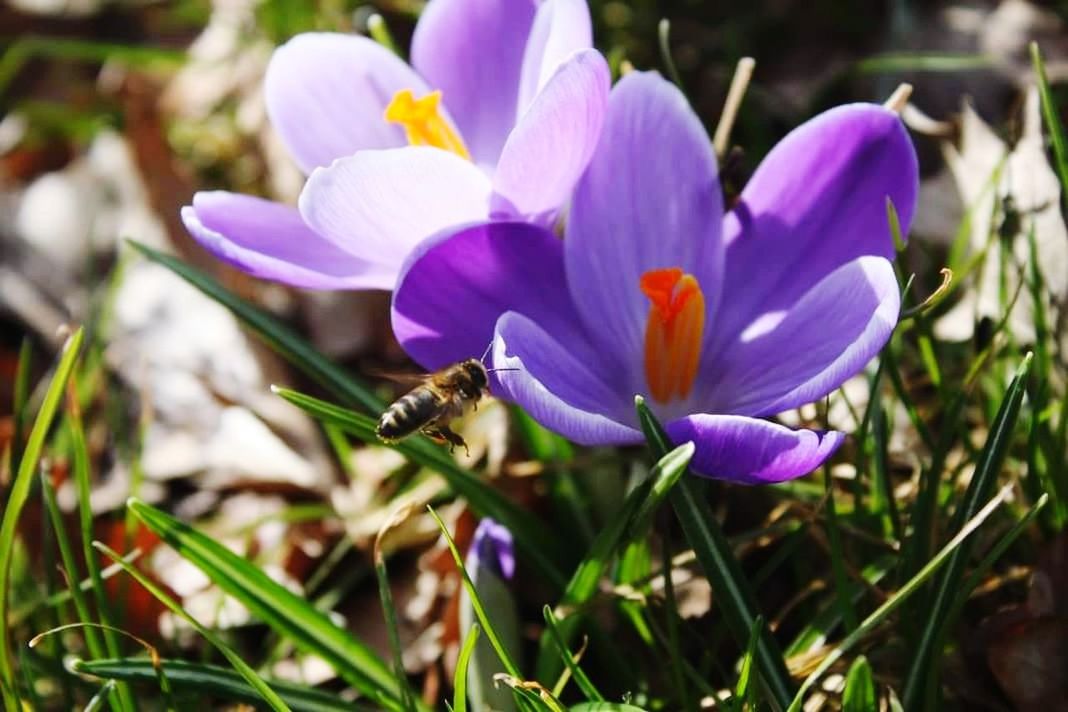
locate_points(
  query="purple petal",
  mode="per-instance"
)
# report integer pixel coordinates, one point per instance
(817, 202)
(327, 93)
(472, 50)
(560, 386)
(553, 141)
(836, 328)
(455, 286)
(561, 28)
(650, 199)
(270, 240)
(492, 548)
(751, 451)
(378, 205)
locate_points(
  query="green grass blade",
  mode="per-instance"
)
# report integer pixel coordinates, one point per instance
(27, 47)
(1053, 122)
(21, 397)
(743, 689)
(251, 677)
(529, 533)
(733, 595)
(476, 602)
(17, 497)
(637, 507)
(859, 693)
(92, 638)
(947, 589)
(604, 707)
(80, 466)
(97, 701)
(894, 602)
(894, 62)
(211, 680)
(459, 686)
(287, 613)
(280, 338)
(579, 675)
(385, 595)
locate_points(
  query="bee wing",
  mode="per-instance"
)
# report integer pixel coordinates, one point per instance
(404, 378)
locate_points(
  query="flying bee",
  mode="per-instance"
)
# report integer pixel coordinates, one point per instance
(435, 402)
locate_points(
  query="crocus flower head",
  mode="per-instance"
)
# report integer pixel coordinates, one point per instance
(492, 550)
(718, 319)
(496, 119)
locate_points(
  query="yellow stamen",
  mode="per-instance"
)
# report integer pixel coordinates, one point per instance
(673, 332)
(423, 122)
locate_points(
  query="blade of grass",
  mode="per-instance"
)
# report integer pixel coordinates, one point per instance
(97, 701)
(92, 639)
(21, 396)
(983, 480)
(859, 693)
(834, 538)
(16, 500)
(893, 62)
(153, 653)
(80, 464)
(1053, 123)
(581, 679)
(255, 681)
(27, 47)
(638, 508)
(459, 686)
(476, 603)
(733, 595)
(211, 680)
(743, 690)
(284, 611)
(894, 602)
(279, 337)
(386, 597)
(529, 533)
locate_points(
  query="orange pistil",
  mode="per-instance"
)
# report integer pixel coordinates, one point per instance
(673, 332)
(423, 122)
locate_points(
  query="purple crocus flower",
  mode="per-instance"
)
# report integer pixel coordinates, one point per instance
(499, 115)
(491, 550)
(719, 319)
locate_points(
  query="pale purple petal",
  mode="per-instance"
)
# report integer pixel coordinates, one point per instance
(561, 384)
(649, 200)
(270, 240)
(561, 28)
(378, 205)
(829, 335)
(491, 548)
(327, 94)
(472, 50)
(455, 286)
(751, 451)
(553, 141)
(816, 202)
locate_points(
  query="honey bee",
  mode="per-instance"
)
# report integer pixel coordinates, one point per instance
(429, 407)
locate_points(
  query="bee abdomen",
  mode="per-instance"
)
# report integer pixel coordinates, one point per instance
(407, 415)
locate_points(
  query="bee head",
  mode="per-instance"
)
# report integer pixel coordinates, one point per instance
(475, 371)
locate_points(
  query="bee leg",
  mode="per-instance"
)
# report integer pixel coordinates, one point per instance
(442, 433)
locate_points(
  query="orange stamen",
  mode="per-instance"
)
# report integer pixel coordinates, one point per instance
(674, 332)
(423, 122)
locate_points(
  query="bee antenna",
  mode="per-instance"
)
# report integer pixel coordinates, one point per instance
(486, 352)
(497, 370)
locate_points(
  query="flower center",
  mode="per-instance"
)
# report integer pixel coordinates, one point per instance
(673, 332)
(423, 122)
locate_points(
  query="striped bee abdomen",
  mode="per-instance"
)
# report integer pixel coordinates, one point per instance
(408, 414)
